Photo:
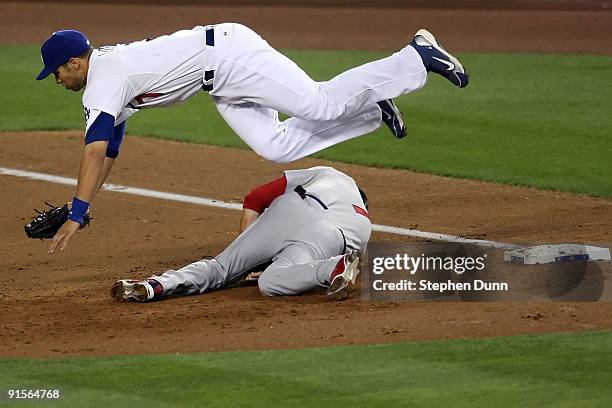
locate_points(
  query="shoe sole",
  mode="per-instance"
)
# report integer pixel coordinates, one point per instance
(344, 284)
(430, 37)
(127, 292)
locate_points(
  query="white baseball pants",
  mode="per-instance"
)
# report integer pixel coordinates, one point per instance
(253, 82)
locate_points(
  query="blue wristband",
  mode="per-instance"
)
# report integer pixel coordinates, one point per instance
(78, 210)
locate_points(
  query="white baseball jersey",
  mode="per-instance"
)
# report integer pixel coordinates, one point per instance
(339, 192)
(143, 74)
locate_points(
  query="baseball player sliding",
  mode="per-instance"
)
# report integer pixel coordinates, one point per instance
(249, 82)
(312, 225)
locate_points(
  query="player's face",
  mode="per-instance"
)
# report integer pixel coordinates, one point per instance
(70, 76)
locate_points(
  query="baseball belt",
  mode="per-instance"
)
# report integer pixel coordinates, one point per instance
(209, 75)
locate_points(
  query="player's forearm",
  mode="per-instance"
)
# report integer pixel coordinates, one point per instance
(108, 165)
(247, 218)
(91, 170)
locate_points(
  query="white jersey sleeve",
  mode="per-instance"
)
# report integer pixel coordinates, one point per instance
(150, 73)
(110, 95)
(92, 114)
(90, 117)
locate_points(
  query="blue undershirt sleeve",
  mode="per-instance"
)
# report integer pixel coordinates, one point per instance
(112, 150)
(101, 129)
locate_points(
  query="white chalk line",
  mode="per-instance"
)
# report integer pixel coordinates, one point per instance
(208, 202)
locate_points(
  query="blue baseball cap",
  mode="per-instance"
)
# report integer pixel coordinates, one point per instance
(59, 48)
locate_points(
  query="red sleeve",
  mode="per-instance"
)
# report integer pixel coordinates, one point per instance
(261, 196)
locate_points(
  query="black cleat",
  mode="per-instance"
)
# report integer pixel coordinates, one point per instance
(393, 118)
(438, 60)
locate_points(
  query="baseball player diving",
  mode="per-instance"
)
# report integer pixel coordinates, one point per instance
(312, 225)
(249, 81)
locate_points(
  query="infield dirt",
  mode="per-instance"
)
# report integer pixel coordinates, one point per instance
(60, 305)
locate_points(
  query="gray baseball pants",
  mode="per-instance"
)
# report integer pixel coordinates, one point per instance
(293, 233)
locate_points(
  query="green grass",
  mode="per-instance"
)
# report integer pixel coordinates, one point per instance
(536, 120)
(559, 370)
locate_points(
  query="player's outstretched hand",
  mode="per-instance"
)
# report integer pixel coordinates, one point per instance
(60, 240)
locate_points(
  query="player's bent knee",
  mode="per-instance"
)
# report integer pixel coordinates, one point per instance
(268, 284)
(265, 286)
(275, 156)
(283, 159)
(276, 153)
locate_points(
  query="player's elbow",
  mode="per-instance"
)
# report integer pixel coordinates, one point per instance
(96, 149)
